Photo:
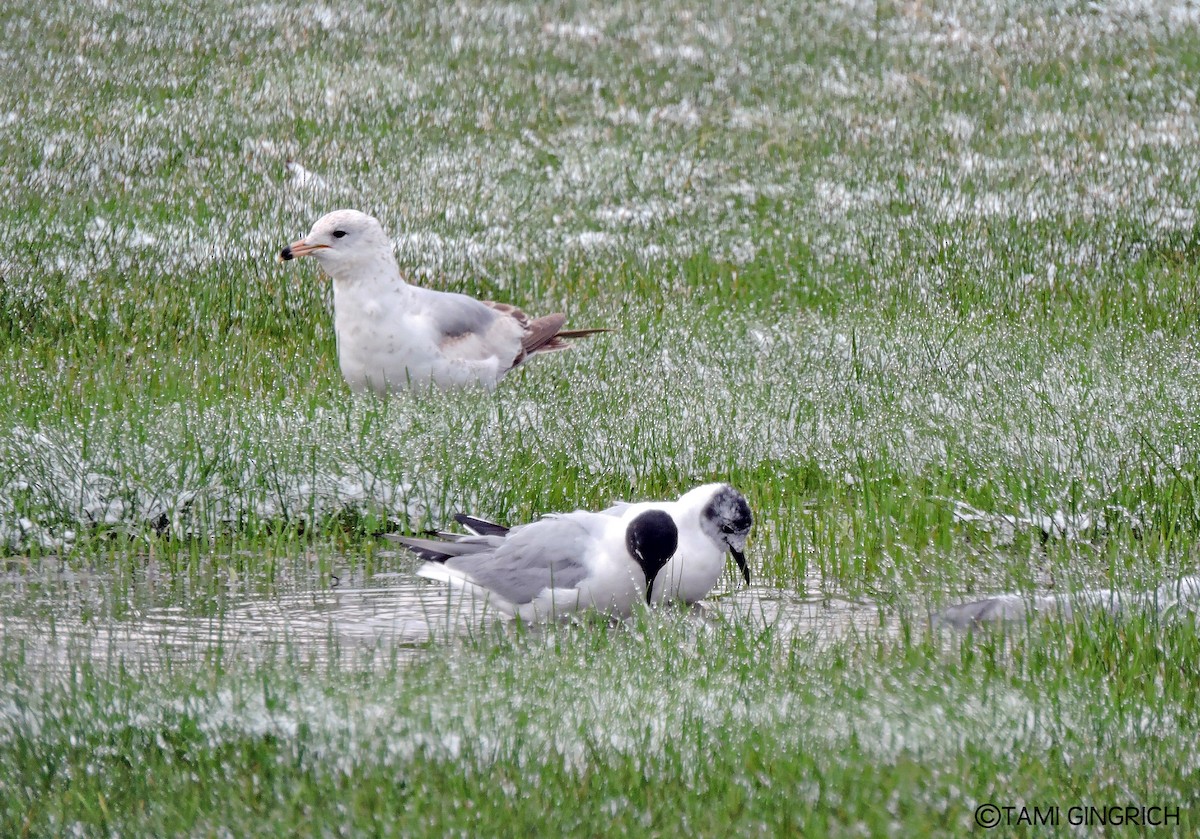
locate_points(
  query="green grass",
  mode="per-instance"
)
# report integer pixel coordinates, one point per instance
(866, 263)
(748, 731)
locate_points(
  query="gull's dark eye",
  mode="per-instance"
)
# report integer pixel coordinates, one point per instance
(728, 528)
(337, 234)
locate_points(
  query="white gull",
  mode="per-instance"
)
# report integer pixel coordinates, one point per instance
(392, 335)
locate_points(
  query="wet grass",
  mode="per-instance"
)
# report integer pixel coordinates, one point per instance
(746, 731)
(869, 264)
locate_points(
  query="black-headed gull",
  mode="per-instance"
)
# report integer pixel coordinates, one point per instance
(712, 519)
(556, 566)
(392, 335)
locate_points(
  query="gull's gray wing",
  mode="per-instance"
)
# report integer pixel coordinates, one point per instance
(455, 315)
(549, 553)
(468, 329)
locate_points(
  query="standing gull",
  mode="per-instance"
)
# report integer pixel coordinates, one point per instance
(392, 335)
(557, 566)
(713, 520)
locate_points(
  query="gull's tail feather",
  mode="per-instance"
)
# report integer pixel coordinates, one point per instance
(434, 570)
(462, 582)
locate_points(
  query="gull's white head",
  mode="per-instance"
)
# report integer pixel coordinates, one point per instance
(348, 244)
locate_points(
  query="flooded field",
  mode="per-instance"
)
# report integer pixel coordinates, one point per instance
(919, 279)
(143, 616)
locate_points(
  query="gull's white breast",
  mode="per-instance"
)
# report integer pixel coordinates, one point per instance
(385, 342)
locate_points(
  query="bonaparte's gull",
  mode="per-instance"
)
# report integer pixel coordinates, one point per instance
(556, 566)
(712, 520)
(392, 335)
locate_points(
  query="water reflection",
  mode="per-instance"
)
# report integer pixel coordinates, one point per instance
(821, 617)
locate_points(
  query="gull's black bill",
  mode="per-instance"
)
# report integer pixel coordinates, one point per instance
(740, 559)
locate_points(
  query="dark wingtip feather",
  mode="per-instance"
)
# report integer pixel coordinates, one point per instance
(582, 333)
(540, 334)
(547, 335)
(481, 527)
(426, 549)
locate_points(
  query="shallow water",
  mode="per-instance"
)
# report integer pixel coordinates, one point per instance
(820, 616)
(150, 615)
(147, 617)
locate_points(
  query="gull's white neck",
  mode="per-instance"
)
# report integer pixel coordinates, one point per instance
(694, 500)
(375, 271)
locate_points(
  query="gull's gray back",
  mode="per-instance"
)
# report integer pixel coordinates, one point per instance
(470, 330)
(455, 315)
(617, 509)
(550, 553)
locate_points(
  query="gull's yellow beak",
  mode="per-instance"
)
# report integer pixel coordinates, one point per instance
(298, 249)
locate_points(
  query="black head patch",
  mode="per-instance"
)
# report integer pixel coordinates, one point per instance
(729, 510)
(652, 539)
